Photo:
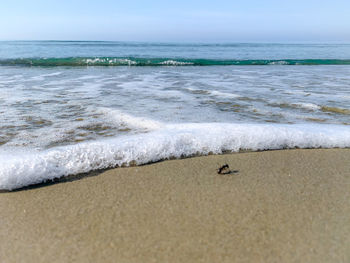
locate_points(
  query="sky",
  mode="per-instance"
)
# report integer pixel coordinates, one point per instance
(177, 21)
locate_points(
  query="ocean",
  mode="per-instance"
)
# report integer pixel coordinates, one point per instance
(71, 107)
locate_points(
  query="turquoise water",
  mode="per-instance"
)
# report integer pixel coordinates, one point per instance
(311, 53)
(72, 53)
(132, 61)
(62, 113)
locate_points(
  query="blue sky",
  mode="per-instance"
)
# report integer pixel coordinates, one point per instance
(180, 20)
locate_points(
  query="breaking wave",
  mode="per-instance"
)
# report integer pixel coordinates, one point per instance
(22, 168)
(133, 61)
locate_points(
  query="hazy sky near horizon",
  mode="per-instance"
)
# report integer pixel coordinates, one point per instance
(181, 20)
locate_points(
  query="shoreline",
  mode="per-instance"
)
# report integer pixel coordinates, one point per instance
(280, 205)
(79, 176)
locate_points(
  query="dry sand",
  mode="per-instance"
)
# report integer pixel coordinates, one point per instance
(281, 206)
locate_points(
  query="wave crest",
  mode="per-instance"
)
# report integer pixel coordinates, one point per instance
(133, 61)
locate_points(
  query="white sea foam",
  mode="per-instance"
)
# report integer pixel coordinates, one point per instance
(215, 93)
(224, 94)
(88, 77)
(61, 131)
(20, 169)
(110, 61)
(308, 106)
(53, 112)
(41, 77)
(175, 63)
(122, 119)
(281, 62)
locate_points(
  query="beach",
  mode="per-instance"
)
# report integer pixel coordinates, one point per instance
(274, 206)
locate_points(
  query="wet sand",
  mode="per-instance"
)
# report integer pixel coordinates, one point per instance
(277, 206)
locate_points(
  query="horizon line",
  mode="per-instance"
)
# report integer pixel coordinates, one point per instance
(181, 42)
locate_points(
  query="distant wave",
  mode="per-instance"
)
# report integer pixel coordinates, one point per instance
(132, 61)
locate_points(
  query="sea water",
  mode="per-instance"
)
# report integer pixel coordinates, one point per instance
(73, 107)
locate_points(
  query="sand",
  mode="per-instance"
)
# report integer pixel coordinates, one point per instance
(279, 206)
